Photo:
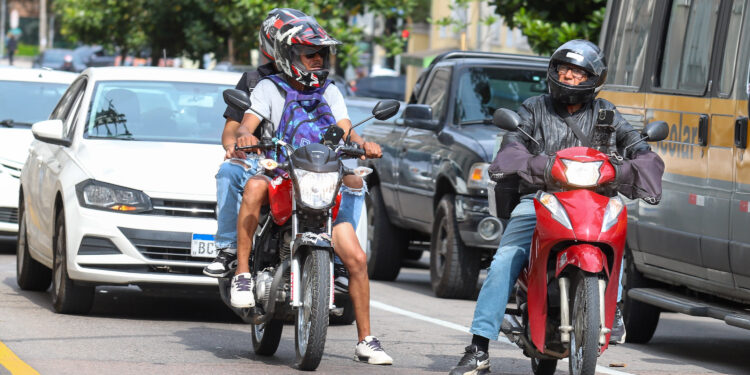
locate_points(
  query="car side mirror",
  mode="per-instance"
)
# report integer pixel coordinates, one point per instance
(419, 116)
(656, 131)
(50, 131)
(236, 99)
(506, 119)
(386, 109)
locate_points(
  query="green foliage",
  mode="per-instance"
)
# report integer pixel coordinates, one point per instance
(27, 50)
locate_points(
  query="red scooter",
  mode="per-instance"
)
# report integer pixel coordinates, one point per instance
(567, 294)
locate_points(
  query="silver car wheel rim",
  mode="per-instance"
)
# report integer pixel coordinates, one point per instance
(20, 246)
(58, 263)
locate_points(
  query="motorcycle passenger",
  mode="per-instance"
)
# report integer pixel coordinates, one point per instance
(576, 71)
(302, 52)
(239, 166)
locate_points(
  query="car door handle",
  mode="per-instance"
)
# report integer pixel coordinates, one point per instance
(740, 132)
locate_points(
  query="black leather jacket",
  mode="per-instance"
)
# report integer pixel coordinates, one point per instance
(638, 176)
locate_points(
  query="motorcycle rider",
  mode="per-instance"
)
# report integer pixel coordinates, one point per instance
(576, 72)
(302, 52)
(239, 166)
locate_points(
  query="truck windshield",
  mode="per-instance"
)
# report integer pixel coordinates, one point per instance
(482, 90)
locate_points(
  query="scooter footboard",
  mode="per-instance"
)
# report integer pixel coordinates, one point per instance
(584, 256)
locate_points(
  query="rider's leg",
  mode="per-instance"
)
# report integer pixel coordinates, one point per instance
(352, 199)
(254, 196)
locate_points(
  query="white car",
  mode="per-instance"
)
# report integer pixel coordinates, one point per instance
(119, 186)
(26, 96)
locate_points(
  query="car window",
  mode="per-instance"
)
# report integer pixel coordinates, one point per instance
(688, 46)
(75, 111)
(28, 102)
(482, 90)
(157, 111)
(730, 52)
(437, 92)
(628, 52)
(63, 107)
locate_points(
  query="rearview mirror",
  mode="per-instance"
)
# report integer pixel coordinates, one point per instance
(419, 116)
(236, 99)
(50, 131)
(506, 119)
(656, 131)
(386, 109)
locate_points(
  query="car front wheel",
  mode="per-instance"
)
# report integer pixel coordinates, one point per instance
(67, 297)
(30, 274)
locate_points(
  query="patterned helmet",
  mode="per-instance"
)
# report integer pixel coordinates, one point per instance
(273, 22)
(303, 36)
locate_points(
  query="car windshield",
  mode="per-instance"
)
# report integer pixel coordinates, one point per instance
(56, 55)
(28, 102)
(482, 90)
(157, 111)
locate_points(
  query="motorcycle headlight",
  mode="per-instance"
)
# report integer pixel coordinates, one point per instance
(317, 190)
(478, 177)
(555, 208)
(103, 196)
(614, 207)
(582, 174)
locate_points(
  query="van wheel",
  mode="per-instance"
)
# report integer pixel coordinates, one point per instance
(30, 274)
(454, 269)
(67, 297)
(640, 318)
(386, 243)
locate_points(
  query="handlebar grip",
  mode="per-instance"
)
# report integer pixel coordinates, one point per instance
(353, 151)
(246, 148)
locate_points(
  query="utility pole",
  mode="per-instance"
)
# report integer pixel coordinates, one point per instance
(2, 27)
(42, 25)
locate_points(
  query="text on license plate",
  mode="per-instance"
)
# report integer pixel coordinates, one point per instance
(203, 246)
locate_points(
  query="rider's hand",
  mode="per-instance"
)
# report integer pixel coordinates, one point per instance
(247, 140)
(372, 150)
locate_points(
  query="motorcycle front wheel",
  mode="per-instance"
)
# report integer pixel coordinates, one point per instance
(584, 339)
(311, 324)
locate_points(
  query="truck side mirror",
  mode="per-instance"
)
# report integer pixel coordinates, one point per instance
(419, 116)
(656, 131)
(236, 99)
(506, 119)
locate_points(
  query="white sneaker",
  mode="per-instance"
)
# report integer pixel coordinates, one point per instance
(241, 292)
(369, 350)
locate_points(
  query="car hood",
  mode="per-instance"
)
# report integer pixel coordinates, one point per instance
(160, 169)
(14, 144)
(483, 136)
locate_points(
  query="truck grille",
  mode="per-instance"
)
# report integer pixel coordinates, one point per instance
(171, 207)
(9, 215)
(161, 245)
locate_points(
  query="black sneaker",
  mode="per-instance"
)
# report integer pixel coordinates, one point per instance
(473, 362)
(618, 329)
(340, 278)
(222, 265)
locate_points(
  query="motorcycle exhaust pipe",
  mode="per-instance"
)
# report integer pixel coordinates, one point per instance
(565, 326)
(603, 331)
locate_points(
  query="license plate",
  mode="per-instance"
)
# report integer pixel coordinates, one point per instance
(203, 246)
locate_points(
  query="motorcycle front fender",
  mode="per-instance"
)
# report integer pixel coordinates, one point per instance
(586, 257)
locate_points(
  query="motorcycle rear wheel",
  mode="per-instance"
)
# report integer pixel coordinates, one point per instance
(543, 366)
(266, 336)
(311, 324)
(584, 314)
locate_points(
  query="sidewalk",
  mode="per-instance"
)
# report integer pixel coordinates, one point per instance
(19, 61)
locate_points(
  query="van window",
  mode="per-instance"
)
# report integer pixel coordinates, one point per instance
(730, 52)
(688, 46)
(743, 65)
(628, 52)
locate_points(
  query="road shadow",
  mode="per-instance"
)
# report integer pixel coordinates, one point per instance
(726, 355)
(235, 344)
(7, 246)
(418, 281)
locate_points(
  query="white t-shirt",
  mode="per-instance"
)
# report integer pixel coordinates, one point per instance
(267, 101)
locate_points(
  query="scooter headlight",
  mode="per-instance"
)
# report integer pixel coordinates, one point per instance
(317, 190)
(614, 207)
(582, 174)
(555, 208)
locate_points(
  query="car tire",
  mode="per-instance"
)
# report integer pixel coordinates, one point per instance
(30, 274)
(386, 243)
(67, 297)
(454, 269)
(641, 319)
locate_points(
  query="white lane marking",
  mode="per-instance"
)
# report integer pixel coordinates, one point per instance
(460, 328)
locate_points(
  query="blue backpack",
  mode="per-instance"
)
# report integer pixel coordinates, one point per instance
(305, 118)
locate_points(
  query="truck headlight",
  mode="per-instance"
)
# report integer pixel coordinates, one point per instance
(555, 208)
(478, 177)
(582, 174)
(103, 196)
(316, 190)
(614, 207)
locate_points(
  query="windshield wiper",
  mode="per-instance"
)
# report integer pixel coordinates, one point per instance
(487, 121)
(121, 137)
(9, 123)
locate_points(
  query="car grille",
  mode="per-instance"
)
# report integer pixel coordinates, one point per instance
(171, 207)
(13, 169)
(161, 245)
(9, 215)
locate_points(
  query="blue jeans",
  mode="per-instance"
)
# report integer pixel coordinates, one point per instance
(351, 204)
(230, 183)
(511, 257)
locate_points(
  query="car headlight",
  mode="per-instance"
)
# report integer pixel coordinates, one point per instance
(555, 208)
(317, 190)
(582, 174)
(103, 196)
(478, 177)
(614, 207)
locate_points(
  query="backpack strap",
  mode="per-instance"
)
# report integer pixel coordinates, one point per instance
(586, 141)
(251, 79)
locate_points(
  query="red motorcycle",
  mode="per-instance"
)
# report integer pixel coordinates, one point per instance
(567, 294)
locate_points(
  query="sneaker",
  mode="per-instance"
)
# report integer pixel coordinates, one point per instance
(241, 292)
(340, 278)
(222, 265)
(369, 350)
(618, 329)
(473, 362)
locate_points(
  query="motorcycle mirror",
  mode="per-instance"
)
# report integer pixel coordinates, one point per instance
(506, 119)
(236, 99)
(333, 135)
(386, 109)
(656, 131)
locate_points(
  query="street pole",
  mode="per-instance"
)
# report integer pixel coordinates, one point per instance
(2, 27)
(42, 25)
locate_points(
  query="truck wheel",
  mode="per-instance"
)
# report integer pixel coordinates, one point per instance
(454, 269)
(385, 242)
(640, 318)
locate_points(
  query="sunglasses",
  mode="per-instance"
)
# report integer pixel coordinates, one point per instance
(575, 72)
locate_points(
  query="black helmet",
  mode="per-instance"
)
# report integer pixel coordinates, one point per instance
(273, 22)
(582, 54)
(303, 36)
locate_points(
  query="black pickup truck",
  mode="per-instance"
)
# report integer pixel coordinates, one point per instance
(430, 186)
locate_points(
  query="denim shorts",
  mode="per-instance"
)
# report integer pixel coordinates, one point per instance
(350, 208)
